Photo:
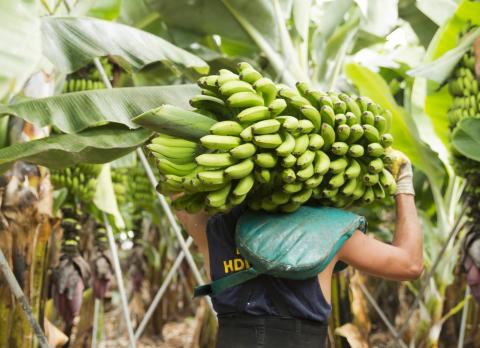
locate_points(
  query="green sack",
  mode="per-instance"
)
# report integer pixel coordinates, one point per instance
(294, 246)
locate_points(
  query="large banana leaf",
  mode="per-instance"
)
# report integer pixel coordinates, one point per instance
(97, 145)
(20, 48)
(74, 112)
(71, 42)
(403, 128)
(213, 17)
(466, 138)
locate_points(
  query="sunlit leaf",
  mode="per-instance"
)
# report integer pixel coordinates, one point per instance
(74, 112)
(20, 48)
(423, 26)
(466, 138)
(97, 145)
(105, 9)
(105, 199)
(403, 128)
(71, 42)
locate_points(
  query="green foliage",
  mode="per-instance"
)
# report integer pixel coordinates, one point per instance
(466, 138)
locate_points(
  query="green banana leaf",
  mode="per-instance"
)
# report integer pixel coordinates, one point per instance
(105, 9)
(97, 145)
(74, 112)
(403, 129)
(438, 101)
(423, 26)
(105, 198)
(71, 42)
(175, 121)
(466, 138)
(213, 17)
(20, 50)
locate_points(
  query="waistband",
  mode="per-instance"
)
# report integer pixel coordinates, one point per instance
(283, 323)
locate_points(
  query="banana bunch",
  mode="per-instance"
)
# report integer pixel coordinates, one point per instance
(277, 148)
(139, 191)
(120, 185)
(464, 88)
(80, 180)
(78, 85)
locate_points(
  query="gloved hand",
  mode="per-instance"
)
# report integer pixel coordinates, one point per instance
(402, 170)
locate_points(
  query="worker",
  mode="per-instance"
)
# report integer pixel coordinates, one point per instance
(280, 313)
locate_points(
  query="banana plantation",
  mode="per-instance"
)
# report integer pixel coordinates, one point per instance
(115, 115)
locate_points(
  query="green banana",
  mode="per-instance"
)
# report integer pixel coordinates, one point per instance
(306, 172)
(351, 119)
(368, 118)
(369, 196)
(231, 87)
(381, 124)
(315, 141)
(240, 170)
(236, 200)
(340, 119)
(378, 191)
(243, 151)
(277, 106)
(370, 179)
(321, 163)
(373, 108)
(213, 104)
(312, 114)
(250, 75)
(342, 132)
(336, 181)
(266, 127)
(305, 159)
(288, 175)
(269, 206)
(339, 148)
(179, 155)
(353, 170)
(263, 175)
(209, 82)
(305, 126)
(375, 150)
(302, 196)
(386, 140)
(349, 187)
(289, 207)
(244, 100)
(289, 161)
(268, 141)
(287, 146)
(290, 123)
(226, 128)
(356, 133)
(294, 187)
(244, 185)
(226, 76)
(215, 160)
(279, 197)
(356, 150)
(301, 144)
(375, 166)
(359, 190)
(167, 167)
(247, 134)
(220, 142)
(212, 177)
(254, 114)
(314, 181)
(338, 165)
(265, 159)
(371, 133)
(328, 115)
(267, 88)
(218, 198)
(173, 142)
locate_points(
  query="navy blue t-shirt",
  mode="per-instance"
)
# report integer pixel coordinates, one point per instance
(303, 298)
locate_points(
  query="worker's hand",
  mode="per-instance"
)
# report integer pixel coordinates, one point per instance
(402, 170)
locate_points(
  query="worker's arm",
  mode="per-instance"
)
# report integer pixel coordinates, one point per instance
(401, 260)
(196, 226)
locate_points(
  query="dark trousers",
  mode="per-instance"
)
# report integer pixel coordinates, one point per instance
(248, 331)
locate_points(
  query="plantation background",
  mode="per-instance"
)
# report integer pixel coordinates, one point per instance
(74, 171)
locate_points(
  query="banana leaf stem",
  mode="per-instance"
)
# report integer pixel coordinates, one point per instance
(463, 323)
(119, 278)
(19, 295)
(96, 319)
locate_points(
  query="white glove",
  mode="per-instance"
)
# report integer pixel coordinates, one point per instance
(404, 176)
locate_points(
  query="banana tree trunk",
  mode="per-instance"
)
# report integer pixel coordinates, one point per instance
(24, 234)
